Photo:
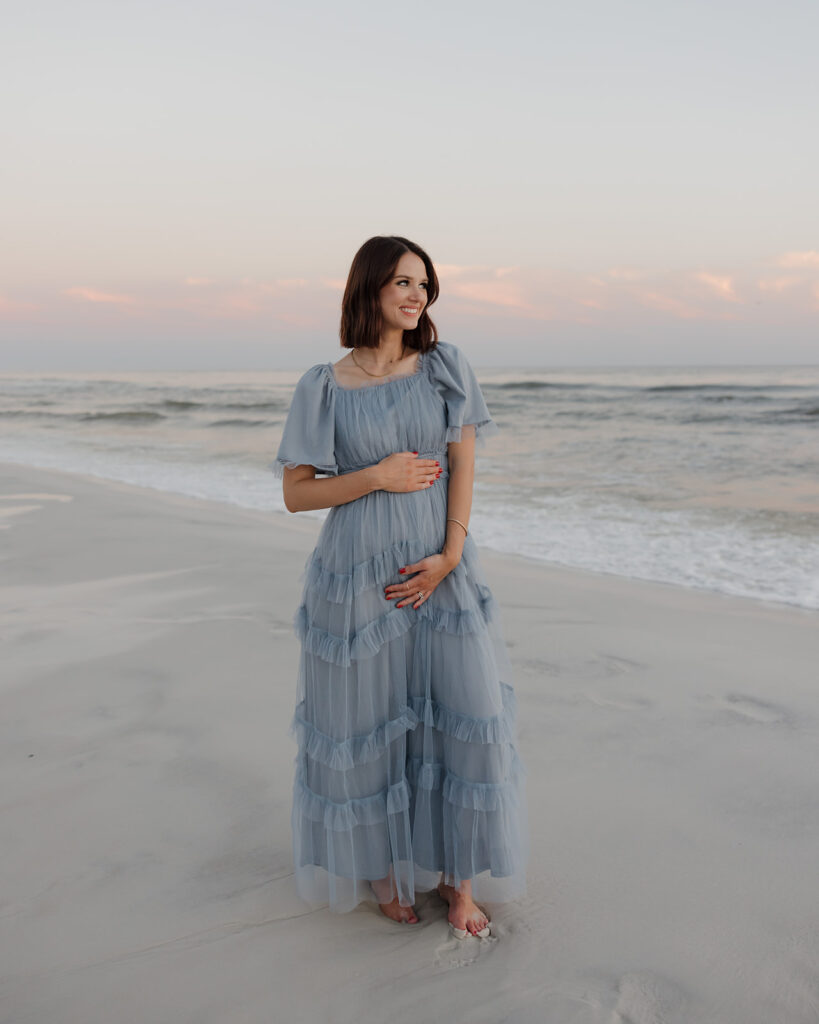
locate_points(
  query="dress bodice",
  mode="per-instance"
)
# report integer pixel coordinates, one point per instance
(338, 429)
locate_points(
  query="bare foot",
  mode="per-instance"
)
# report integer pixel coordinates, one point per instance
(391, 908)
(463, 912)
(395, 912)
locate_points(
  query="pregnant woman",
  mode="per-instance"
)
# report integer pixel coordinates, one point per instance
(407, 774)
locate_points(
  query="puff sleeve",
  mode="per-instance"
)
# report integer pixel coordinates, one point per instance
(308, 438)
(455, 380)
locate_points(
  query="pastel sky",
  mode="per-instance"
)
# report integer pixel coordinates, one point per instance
(597, 182)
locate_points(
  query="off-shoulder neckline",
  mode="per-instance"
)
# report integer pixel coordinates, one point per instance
(419, 368)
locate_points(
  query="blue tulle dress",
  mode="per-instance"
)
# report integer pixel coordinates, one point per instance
(407, 764)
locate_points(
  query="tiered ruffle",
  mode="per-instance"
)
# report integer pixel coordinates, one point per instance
(368, 640)
(353, 813)
(378, 570)
(497, 729)
(478, 796)
(344, 754)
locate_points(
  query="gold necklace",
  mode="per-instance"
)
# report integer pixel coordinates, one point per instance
(352, 355)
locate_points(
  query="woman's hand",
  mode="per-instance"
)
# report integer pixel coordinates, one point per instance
(404, 471)
(428, 574)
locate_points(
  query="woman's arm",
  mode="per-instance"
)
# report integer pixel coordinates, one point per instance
(461, 458)
(304, 491)
(400, 472)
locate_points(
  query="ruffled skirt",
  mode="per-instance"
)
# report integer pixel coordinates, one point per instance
(407, 767)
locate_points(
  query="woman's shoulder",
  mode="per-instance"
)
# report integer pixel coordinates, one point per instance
(447, 359)
(316, 375)
(444, 349)
(316, 372)
(314, 388)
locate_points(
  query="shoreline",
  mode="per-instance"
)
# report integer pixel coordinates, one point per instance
(314, 525)
(668, 736)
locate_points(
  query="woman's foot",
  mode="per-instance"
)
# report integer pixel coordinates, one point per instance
(395, 912)
(464, 914)
(391, 908)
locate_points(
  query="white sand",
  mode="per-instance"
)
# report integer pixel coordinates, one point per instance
(149, 664)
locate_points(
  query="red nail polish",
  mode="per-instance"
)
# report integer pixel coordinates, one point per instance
(402, 570)
(415, 453)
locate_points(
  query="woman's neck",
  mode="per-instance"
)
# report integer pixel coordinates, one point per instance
(390, 347)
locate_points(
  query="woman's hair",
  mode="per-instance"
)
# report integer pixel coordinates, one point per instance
(373, 267)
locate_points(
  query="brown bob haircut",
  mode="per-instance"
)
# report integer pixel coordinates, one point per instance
(373, 267)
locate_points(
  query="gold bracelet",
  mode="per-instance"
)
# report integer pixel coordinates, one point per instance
(451, 519)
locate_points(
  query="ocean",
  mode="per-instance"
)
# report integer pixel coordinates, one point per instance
(703, 477)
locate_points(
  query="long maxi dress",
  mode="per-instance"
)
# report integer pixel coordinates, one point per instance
(407, 764)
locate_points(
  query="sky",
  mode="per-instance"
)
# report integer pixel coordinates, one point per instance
(184, 185)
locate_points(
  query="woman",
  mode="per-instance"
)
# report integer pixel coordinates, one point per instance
(407, 776)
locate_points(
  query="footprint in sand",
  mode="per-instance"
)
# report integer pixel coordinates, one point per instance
(453, 953)
(751, 709)
(280, 628)
(608, 665)
(596, 666)
(613, 665)
(646, 998)
(537, 667)
(605, 666)
(621, 702)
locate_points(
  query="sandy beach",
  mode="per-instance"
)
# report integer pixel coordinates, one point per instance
(149, 665)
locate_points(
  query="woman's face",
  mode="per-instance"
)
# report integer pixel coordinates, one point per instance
(404, 296)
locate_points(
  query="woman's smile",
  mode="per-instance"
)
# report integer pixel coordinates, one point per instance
(404, 296)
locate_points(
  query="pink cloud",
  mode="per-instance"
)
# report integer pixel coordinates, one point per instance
(93, 295)
(778, 284)
(277, 287)
(723, 286)
(669, 304)
(809, 258)
(601, 299)
(295, 301)
(626, 274)
(495, 293)
(571, 297)
(446, 271)
(677, 293)
(12, 308)
(504, 287)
